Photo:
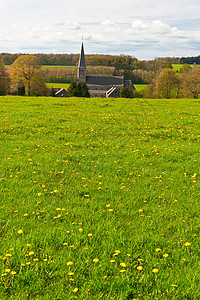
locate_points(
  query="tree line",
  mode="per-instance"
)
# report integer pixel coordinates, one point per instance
(190, 60)
(26, 76)
(170, 84)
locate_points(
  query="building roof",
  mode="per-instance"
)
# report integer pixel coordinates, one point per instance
(61, 93)
(82, 58)
(105, 80)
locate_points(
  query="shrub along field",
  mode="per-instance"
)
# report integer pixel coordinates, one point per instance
(99, 198)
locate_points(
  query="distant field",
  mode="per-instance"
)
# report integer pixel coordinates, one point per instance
(71, 67)
(140, 87)
(177, 67)
(99, 198)
(58, 85)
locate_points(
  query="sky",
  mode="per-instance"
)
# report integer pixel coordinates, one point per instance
(143, 29)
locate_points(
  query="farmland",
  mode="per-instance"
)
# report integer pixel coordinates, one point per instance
(99, 198)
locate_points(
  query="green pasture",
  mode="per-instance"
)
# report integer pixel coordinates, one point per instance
(58, 85)
(140, 87)
(177, 67)
(99, 198)
(58, 66)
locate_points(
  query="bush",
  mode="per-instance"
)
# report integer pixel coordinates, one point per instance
(78, 89)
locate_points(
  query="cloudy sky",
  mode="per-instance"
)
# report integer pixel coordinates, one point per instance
(143, 28)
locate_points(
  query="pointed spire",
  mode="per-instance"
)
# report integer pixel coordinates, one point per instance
(82, 59)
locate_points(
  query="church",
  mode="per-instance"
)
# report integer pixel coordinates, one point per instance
(101, 86)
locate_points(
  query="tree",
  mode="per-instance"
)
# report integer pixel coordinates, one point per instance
(191, 81)
(38, 86)
(167, 84)
(185, 68)
(126, 92)
(23, 69)
(78, 89)
(4, 81)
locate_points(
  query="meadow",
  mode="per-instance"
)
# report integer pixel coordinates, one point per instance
(99, 198)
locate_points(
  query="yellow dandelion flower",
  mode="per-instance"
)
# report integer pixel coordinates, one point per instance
(39, 194)
(69, 263)
(123, 265)
(7, 270)
(166, 255)
(57, 217)
(28, 245)
(108, 205)
(35, 259)
(8, 255)
(95, 260)
(158, 249)
(13, 273)
(80, 230)
(45, 259)
(112, 260)
(20, 231)
(174, 285)
(187, 244)
(70, 273)
(117, 251)
(31, 253)
(28, 263)
(89, 234)
(65, 244)
(75, 290)
(139, 268)
(26, 215)
(155, 271)
(140, 210)
(122, 271)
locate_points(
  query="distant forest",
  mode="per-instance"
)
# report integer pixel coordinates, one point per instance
(120, 62)
(190, 60)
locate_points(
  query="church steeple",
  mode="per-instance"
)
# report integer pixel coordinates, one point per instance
(82, 66)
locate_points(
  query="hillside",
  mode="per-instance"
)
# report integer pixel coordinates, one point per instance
(99, 198)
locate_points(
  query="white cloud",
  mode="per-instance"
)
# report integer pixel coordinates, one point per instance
(108, 23)
(153, 27)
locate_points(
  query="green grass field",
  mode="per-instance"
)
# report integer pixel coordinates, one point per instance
(57, 66)
(140, 87)
(58, 85)
(99, 198)
(177, 67)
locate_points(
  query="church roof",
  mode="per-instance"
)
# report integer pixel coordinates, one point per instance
(105, 80)
(82, 59)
